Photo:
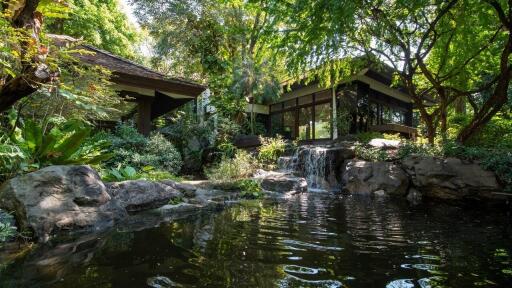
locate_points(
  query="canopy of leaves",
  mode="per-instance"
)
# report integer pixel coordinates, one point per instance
(100, 23)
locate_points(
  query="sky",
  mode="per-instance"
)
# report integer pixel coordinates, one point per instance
(128, 10)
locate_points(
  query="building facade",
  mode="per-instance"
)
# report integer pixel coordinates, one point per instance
(365, 102)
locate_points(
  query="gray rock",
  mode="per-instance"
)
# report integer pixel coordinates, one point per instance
(451, 178)
(281, 182)
(59, 198)
(384, 143)
(362, 177)
(414, 196)
(189, 191)
(140, 195)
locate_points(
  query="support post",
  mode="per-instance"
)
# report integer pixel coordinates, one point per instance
(144, 116)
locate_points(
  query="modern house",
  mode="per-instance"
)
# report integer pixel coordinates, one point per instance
(151, 93)
(365, 102)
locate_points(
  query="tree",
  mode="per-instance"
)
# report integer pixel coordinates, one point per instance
(225, 43)
(24, 63)
(439, 49)
(101, 24)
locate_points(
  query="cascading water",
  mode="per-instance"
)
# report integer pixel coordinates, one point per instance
(316, 164)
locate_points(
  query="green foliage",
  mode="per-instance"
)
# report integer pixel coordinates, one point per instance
(497, 160)
(271, 149)
(176, 200)
(100, 23)
(370, 153)
(62, 145)
(241, 166)
(11, 157)
(7, 231)
(32, 148)
(409, 148)
(130, 148)
(125, 173)
(249, 188)
(366, 137)
(120, 174)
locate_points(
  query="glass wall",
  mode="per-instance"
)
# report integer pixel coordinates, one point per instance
(306, 123)
(323, 121)
(305, 118)
(358, 107)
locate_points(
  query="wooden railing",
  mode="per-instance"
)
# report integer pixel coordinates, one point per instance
(408, 131)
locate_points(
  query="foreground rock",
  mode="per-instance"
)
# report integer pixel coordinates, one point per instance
(59, 198)
(451, 178)
(281, 182)
(140, 195)
(362, 177)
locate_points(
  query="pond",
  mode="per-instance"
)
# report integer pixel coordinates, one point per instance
(311, 240)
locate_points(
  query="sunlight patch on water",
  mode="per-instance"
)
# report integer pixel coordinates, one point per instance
(302, 270)
(401, 283)
(292, 281)
(311, 245)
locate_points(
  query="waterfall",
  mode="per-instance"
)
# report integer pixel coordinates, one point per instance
(315, 166)
(315, 163)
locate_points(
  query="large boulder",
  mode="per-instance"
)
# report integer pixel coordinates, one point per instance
(362, 177)
(281, 182)
(140, 195)
(384, 143)
(59, 198)
(450, 178)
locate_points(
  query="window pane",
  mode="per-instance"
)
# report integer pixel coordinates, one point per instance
(289, 125)
(306, 123)
(324, 95)
(323, 121)
(308, 99)
(276, 124)
(398, 116)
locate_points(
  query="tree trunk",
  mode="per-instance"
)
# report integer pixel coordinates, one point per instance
(13, 91)
(497, 100)
(460, 105)
(34, 72)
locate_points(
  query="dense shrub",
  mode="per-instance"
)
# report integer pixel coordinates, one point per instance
(411, 148)
(131, 149)
(241, 166)
(270, 150)
(370, 153)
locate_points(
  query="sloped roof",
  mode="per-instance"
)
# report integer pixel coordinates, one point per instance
(130, 73)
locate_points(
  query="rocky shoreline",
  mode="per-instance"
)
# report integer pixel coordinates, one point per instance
(69, 200)
(64, 200)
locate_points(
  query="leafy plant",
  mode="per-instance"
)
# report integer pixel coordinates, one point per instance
(176, 200)
(271, 149)
(422, 149)
(7, 231)
(130, 148)
(370, 153)
(62, 145)
(249, 189)
(228, 169)
(121, 174)
(11, 157)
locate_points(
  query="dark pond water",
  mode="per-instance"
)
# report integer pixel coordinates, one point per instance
(310, 241)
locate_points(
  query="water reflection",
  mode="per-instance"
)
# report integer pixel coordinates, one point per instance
(310, 241)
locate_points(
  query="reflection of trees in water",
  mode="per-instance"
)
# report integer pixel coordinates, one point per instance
(373, 240)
